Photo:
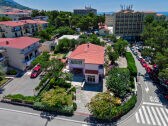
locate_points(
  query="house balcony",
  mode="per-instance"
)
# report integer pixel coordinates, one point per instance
(1, 30)
(28, 62)
(29, 50)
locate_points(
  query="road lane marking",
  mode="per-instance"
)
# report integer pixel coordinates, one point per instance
(146, 116)
(150, 103)
(161, 117)
(166, 110)
(166, 117)
(156, 117)
(151, 116)
(146, 88)
(137, 117)
(142, 118)
(35, 114)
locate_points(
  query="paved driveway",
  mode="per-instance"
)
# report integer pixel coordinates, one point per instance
(23, 85)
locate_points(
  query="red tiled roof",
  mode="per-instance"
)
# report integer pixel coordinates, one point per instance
(91, 53)
(91, 72)
(41, 22)
(22, 22)
(29, 21)
(19, 43)
(12, 23)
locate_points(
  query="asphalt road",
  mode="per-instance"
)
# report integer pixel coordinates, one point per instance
(16, 118)
(153, 108)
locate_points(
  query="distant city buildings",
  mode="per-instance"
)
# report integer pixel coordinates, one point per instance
(18, 52)
(128, 23)
(12, 29)
(85, 11)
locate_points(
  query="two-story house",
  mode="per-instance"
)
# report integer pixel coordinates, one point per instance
(20, 52)
(88, 59)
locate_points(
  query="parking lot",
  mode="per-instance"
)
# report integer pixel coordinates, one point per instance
(23, 85)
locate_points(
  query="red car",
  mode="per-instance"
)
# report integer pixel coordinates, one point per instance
(36, 71)
(166, 97)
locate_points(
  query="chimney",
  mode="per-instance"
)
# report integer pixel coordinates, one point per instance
(7, 42)
(88, 45)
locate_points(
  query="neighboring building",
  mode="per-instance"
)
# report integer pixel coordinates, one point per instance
(128, 23)
(20, 52)
(85, 11)
(13, 29)
(3, 59)
(76, 37)
(43, 18)
(47, 46)
(88, 60)
(17, 15)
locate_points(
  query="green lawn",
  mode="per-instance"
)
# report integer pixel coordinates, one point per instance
(3, 81)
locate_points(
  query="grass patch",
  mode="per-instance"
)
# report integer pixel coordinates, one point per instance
(3, 81)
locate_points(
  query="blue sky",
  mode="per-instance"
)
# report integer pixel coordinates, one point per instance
(100, 5)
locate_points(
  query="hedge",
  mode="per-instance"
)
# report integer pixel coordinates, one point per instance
(131, 64)
(127, 106)
(62, 110)
(21, 99)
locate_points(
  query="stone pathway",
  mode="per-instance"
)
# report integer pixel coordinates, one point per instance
(82, 98)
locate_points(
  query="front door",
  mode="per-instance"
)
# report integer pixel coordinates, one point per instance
(91, 79)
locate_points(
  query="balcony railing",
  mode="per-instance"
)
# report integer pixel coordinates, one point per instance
(30, 49)
(1, 30)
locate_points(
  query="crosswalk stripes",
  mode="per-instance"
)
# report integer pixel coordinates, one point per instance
(152, 115)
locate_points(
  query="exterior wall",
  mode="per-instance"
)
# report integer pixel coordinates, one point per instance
(15, 17)
(85, 11)
(15, 58)
(9, 32)
(109, 21)
(94, 67)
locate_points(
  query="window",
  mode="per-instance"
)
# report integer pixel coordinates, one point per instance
(91, 79)
(76, 62)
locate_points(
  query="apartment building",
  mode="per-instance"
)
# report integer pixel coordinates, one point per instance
(88, 60)
(85, 11)
(20, 52)
(13, 29)
(17, 15)
(128, 23)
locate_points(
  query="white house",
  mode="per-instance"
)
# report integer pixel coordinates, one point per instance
(88, 59)
(76, 37)
(20, 52)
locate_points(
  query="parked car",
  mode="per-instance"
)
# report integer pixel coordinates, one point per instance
(139, 57)
(36, 71)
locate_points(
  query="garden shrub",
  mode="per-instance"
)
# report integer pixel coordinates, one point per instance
(1, 78)
(21, 99)
(131, 64)
(11, 72)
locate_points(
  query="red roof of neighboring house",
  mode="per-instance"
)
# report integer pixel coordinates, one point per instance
(29, 21)
(12, 23)
(91, 53)
(22, 22)
(91, 72)
(41, 22)
(19, 43)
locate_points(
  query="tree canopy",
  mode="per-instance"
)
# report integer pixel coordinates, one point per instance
(118, 81)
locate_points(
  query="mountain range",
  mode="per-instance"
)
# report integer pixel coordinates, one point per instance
(12, 4)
